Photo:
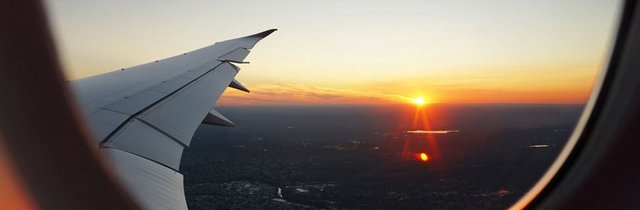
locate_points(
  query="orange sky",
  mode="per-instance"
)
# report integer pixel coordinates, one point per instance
(358, 52)
(561, 84)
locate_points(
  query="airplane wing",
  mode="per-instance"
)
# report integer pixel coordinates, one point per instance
(144, 116)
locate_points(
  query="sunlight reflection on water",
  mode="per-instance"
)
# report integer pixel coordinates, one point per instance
(432, 131)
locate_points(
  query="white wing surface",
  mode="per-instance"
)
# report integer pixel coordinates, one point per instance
(144, 116)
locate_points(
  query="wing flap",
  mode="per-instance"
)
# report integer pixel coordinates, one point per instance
(138, 138)
(152, 185)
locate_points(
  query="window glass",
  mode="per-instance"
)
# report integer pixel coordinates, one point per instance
(366, 104)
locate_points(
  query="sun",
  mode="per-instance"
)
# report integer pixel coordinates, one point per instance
(419, 101)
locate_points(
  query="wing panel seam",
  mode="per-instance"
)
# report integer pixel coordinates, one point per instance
(143, 157)
(135, 115)
(161, 131)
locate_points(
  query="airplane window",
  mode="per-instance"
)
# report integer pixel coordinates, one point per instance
(365, 104)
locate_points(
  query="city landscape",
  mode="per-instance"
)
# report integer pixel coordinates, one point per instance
(362, 157)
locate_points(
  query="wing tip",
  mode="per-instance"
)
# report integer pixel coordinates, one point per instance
(263, 34)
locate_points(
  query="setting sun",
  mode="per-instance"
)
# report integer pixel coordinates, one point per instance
(419, 101)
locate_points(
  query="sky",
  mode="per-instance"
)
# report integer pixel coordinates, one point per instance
(357, 52)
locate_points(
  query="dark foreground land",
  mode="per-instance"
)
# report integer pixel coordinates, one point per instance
(351, 157)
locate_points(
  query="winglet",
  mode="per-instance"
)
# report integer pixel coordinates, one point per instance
(263, 34)
(237, 85)
(215, 118)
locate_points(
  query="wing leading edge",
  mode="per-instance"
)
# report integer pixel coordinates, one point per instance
(144, 116)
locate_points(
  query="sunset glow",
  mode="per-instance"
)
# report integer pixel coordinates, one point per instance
(361, 52)
(422, 136)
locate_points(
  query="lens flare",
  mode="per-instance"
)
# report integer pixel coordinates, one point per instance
(424, 157)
